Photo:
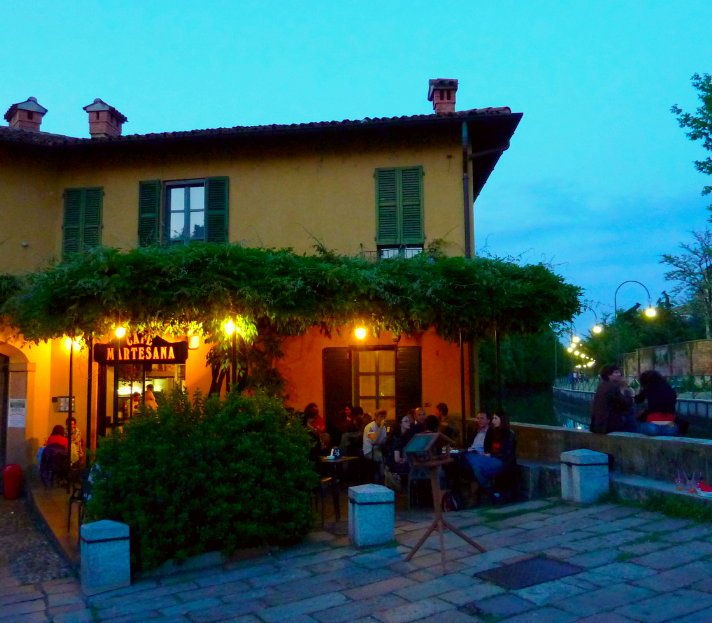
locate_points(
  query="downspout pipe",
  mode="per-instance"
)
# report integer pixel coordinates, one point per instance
(467, 216)
(468, 254)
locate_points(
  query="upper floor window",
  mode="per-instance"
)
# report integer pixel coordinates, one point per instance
(407, 251)
(81, 229)
(183, 211)
(399, 211)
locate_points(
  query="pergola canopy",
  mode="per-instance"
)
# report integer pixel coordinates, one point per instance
(174, 288)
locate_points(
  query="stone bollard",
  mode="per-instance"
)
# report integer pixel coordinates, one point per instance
(371, 515)
(105, 556)
(584, 475)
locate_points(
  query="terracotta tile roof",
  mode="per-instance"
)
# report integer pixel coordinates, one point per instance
(11, 135)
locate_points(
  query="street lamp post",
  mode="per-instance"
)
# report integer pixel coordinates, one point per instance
(650, 311)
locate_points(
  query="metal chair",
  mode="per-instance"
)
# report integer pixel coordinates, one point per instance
(80, 492)
(328, 487)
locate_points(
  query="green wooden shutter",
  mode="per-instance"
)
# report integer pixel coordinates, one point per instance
(149, 212)
(91, 229)
(399, 206)
(386, 207)
(216, 208)
(409, 386)
(338, 379)
(71, 242)
(411, 188)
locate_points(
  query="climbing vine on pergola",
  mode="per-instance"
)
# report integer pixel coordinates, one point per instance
(176, 289)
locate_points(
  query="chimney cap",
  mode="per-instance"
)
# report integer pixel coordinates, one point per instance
(99, 104)
(30, 105)
(440, 83)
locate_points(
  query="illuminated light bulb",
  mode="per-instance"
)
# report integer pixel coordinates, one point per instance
(120, 332)
(651, 312)
(597, 328)
(360, 333)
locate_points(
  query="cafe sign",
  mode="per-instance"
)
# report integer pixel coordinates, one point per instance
(141, 349)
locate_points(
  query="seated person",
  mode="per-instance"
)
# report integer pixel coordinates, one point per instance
(53, 460)
(499, 453)
(446, 429)
(374, 439)
(58, 437)
(658, 418)
(482, 423)
(317, 448)
(319, 423)
(395, 456)
(418, 425)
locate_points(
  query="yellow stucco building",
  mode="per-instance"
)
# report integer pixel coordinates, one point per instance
(374, 187)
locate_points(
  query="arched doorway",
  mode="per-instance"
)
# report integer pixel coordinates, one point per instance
(13, 404)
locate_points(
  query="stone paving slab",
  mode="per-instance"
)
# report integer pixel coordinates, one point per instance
(664, 608)
(603, 599)
(659, 573)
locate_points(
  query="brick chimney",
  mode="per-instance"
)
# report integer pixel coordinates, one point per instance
(104, 120)
(442, 93)
(26, 115)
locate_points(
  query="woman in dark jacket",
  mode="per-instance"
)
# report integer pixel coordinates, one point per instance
(500, 452)
(658, 418)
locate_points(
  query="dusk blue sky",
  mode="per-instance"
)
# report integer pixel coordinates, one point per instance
(598, 182)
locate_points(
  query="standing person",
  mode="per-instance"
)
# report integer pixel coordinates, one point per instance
(374, 438)
(149, 398)
(499, 452)
(658, 418)
(610, 403)
(76, 452)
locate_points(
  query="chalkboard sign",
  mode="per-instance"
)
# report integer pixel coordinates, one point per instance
(421, 445)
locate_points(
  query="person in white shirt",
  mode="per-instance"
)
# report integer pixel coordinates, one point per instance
(374, 437)
(482, 422)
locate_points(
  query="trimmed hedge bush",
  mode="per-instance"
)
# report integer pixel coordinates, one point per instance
(205, 475)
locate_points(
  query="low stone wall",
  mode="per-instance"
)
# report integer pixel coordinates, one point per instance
(656, 458)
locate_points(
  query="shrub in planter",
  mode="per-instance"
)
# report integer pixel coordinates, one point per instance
(205, 475)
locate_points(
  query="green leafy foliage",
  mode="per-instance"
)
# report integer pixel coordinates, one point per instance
(175, 287)
(691, 273)
(699, 124)
(205, 475)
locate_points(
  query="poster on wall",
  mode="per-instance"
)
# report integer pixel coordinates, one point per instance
(17, 413)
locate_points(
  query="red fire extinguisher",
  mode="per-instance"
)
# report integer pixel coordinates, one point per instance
(12, 481)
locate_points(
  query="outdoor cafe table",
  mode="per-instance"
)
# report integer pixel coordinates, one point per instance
(337, 466)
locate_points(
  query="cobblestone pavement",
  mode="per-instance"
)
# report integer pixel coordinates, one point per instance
(36, 582)
(628, 565)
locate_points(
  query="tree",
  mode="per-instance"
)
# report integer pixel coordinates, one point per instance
(699, 125)
(692, 270)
